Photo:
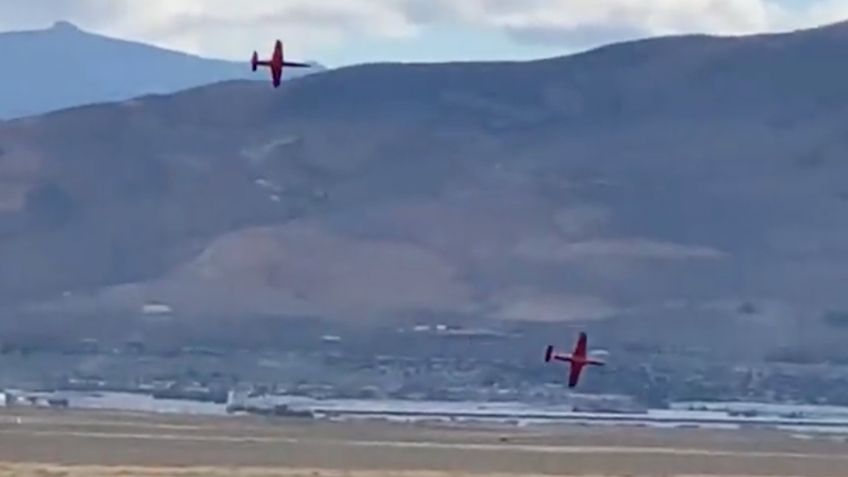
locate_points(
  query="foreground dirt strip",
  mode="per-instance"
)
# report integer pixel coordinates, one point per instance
(77, 445)
(129, 458)
(41, 470)
(530, 448)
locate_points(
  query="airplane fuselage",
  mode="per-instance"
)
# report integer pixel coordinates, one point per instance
(276, 63)
(578, 359)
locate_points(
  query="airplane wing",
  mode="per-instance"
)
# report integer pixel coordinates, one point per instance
(297, 65)
(580, 348)
(574, 374)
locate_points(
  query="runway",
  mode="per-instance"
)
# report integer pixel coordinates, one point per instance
(100, 444)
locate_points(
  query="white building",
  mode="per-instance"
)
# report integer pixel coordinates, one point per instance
(154, 308)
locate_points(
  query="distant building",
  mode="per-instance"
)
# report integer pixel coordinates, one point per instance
(154, 308)
(42, 400)
(614, 403)
(57, 402)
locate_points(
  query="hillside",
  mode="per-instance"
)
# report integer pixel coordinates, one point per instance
(64, 66)
(681, 176)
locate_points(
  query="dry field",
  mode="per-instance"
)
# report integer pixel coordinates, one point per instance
(94, 444)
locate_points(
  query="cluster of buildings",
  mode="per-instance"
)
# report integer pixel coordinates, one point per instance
(33, 399)
(420, 362)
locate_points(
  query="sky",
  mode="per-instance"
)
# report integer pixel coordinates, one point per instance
(343, 32)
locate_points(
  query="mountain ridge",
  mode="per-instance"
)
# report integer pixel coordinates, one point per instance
(633, 181)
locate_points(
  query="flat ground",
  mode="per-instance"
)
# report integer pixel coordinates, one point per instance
(95, 444)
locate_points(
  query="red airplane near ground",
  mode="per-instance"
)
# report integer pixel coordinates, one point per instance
(578, 359)
(276, 63)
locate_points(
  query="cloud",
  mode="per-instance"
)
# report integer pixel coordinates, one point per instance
(581, 23)
(221, 28)
(197, 23)
(228, 28)
(17, 15)
(566, 22)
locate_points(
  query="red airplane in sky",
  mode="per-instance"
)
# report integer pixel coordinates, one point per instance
(276, 63)
(578, 359)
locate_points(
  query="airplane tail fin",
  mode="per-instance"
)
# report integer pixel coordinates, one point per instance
(254, 61)
(549, 352)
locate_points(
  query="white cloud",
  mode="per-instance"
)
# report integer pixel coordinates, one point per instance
(228, 28)
(17, 15)
(652, 16)
(578, 23)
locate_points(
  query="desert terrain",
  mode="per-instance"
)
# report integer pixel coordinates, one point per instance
(94, 444)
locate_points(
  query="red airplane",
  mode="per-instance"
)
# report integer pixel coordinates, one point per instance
(276, 63)
(578, 359)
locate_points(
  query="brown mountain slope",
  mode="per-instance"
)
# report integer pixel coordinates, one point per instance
(695, 168)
